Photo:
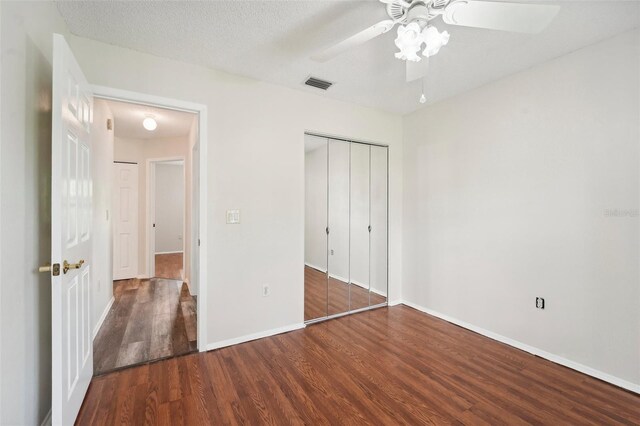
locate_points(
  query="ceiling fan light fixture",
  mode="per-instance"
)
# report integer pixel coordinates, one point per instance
(409, 41)
(150, 123)
(434, 40)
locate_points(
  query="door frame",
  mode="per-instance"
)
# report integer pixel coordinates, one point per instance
(150, 235)
(110, 93)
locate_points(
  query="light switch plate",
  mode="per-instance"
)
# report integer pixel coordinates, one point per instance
(233, 217)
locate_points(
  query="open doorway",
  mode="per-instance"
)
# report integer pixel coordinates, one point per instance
(167, 210)
(153, 312)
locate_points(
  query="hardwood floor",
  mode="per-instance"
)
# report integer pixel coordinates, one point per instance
(169, 266)
(149, 320)
(317, 293)
(385, 366)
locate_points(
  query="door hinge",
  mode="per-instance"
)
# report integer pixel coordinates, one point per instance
(198, 242)
(326, 230)
(369, 228)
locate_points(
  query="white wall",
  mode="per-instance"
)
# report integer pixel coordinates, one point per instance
(25, 152)
(509, 194)
(256, 164)
(315, 195)
(139, 151)
(170, 206)
(102, 250)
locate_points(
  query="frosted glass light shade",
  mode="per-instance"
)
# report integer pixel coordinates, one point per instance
(149, 123)
(409, 42)
(434, 40)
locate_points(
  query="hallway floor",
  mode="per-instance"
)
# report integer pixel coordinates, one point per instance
(169, 265)
(149, 320)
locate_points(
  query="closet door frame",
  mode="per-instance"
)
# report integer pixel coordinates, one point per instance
(386, 302)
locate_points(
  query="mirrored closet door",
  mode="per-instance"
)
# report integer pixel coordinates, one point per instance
(378, 237)
(315, 228)
(345, 256)
(359, 226)
(338, 228)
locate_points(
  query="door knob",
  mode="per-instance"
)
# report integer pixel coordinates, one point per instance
(54, 269)
(66, 265)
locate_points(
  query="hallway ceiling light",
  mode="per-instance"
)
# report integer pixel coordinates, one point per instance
(149, 123)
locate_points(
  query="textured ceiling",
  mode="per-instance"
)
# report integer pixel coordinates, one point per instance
(272, 41)
(128, 118)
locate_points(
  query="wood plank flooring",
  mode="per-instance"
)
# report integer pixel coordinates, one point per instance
(317, 293)
(149, 320)
(386, 366)
(169, 266)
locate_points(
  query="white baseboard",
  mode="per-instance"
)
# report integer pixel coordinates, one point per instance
(338, 277)
(317, 268)
(395, 302)
(344, 280)
(143, 277)
(378, 292)
(254, 336)
(633, 387)
(366, 287)
(47, 420)
(103, 317)
(169, 252)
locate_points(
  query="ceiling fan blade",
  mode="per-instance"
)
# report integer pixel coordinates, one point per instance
(355, 40)
(400, 2)
(417, 70)
(516, 17)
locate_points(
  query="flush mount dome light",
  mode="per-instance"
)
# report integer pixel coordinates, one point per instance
(149, 123)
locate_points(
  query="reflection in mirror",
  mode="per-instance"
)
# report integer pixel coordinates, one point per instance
(315, 236)
(378, 237)
(359, 227)
(338, 212)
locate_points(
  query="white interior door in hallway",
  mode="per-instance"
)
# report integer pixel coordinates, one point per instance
(125, 219)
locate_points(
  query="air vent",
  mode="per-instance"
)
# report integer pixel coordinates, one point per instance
(317, 83)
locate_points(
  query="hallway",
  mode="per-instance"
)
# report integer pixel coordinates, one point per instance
(149, 320)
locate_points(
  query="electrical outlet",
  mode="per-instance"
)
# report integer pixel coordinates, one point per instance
(266, 290)
(539, 303)
(233, 217)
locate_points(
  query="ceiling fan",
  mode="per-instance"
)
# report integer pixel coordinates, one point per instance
(414, 19)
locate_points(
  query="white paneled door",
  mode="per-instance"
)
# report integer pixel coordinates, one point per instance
(72, 350)
(125, 220)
